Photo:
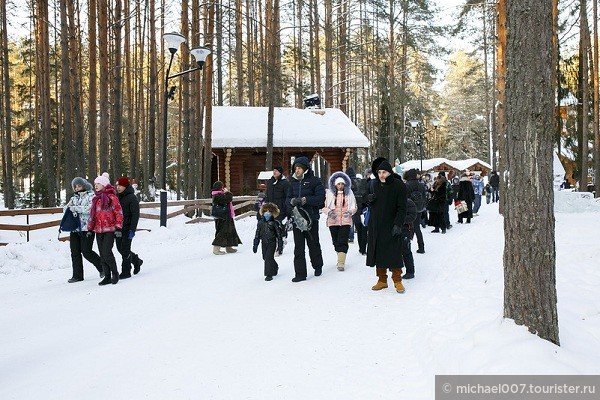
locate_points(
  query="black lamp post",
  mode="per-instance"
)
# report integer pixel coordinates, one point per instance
(414, 123)
(173, 41)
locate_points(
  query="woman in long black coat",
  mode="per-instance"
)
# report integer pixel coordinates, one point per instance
(225, 232)
(437, 205)
(466, 194)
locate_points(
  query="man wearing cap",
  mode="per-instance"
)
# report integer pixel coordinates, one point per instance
(277, 188)
(131, 216)
(387, 201)
(306, 191)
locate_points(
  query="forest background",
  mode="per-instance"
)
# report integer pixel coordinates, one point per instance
(83, 82)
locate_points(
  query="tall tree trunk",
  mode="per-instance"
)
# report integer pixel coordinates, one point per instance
(219, 53)
(129, 96)
(584, 45)
(208, 71)
(66, 100)
(250, 50)
(7, 164)
(392, 80)
(529, 250)
(596, 105)
(117, 94)
(343, 65)
(186, 110)
(328, 28)
(151, 175)
(239, 51)
(104, 138)
(92, 155)
(502, 160)
(43, 92)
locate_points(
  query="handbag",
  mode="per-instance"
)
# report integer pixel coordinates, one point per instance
(461, 206)
(69, 222)
(219, 211)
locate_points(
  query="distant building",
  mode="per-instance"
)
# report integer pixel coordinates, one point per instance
(239, 142)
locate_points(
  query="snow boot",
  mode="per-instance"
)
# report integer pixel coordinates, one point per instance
(382, 281)
(217, 251)
(137, 263)
(341, 260)
(397, 278)
(230, 249)
(104, 281)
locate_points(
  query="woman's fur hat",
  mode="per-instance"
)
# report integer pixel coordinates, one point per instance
(335, 176)
(83, 182)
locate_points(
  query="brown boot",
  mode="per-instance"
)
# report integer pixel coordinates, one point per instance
(382, 281)
(397, 278)
(341, 261)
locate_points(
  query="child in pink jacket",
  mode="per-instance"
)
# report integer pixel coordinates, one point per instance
(106, 220)
(340, 205)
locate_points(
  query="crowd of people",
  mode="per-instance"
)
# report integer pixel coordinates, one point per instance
(385, 211)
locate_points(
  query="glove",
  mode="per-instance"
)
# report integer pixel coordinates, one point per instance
(72, 208)
(347, 214)
(303, 200)
(396, 231)
(118, 234)
(332, 215)
(255, 247)
(89, 234)
(280, 246)
(297, 201)
(131, 235)
(371, 197)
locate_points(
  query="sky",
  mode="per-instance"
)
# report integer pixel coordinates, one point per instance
(195, 325)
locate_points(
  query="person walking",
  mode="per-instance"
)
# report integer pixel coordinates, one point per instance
(80, 242)
(437, 204)
(478, 191)
(417, 192)
(131, 216)
(225, 232)
(106, 220)
(495, 184)
(360, 189)
(269, 230)
(408, 230)
(305, 197)
(387, 202)
(340, 206)
(277, 188)
(466, 194)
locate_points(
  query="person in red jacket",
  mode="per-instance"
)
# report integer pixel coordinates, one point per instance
(106, 220)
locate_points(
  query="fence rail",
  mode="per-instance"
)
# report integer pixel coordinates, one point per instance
(195, 209)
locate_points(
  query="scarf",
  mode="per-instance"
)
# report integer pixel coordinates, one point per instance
(102, 197)
(221, 191)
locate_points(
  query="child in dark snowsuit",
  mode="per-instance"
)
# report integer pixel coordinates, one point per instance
(270, 231)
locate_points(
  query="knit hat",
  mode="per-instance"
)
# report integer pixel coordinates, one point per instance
(302, 162)
(279, 168)
(103, 179)
(376, 163)
(123, 181)
(385, 166)
(339, 179)
(217, 185)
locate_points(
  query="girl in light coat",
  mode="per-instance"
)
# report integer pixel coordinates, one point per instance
(340, 205)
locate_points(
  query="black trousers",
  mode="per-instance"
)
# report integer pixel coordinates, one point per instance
(339, 237)
(124, 248)
(407, 256)
(105, 243)
(81, 245)
(311, 239)
(268, 254)
(361, 232)
(418, 233)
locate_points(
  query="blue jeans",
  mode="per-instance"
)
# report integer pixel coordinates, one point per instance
(476, 203)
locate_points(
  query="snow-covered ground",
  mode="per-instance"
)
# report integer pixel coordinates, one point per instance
(193, 325)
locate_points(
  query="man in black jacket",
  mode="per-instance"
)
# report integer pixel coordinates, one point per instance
(495, 184)
(131, 216)
(307, 192)
(277, 188)
(418, 194)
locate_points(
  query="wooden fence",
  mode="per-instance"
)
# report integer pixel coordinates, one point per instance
(198, 210)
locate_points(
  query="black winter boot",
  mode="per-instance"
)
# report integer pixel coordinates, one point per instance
(105, 281)
(137, 263)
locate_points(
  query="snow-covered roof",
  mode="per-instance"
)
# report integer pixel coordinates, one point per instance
(292, 127)
(434, 162)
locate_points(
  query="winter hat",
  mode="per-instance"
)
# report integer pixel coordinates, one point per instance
(442, 173)
(478, 177)
(81, 181)
(302, 162)
(123, 181)
(350, 172)
(385, 166)
(411, 174)
(279, 168)
(376, 163)
(217, 185)
(103, 179)
(339, 179)
(270, 207)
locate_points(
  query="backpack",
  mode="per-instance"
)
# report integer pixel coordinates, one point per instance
(360, 188)
(302, 219)
(418, 198)
(449, 193)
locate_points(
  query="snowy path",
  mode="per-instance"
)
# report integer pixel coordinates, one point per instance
(194, 325)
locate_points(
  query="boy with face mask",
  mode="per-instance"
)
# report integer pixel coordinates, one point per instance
(270, 231)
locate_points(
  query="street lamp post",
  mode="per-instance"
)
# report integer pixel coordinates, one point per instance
(173, 41)
(414, 123)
